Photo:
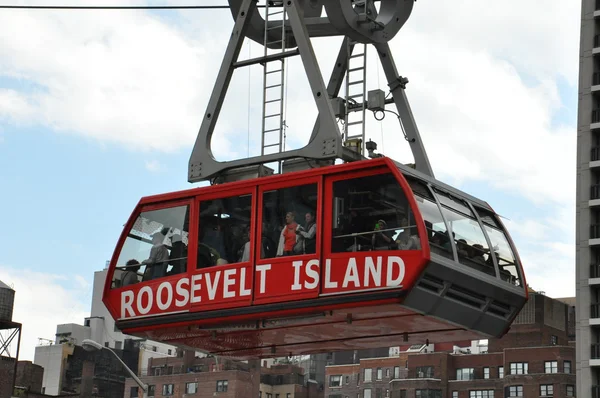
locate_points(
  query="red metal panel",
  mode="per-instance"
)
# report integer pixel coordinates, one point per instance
(373, 270)
(288, 278)
(166, 295)
(229, 285)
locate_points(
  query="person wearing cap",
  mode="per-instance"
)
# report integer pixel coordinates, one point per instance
(157, 262)
(381, 239)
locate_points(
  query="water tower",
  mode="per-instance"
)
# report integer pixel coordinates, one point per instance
(10, 340)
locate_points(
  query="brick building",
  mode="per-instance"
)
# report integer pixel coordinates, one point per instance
(535, 359)
(188, 375)
(29, 376)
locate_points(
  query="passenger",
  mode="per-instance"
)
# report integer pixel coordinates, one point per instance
(477, 253)
(178, 257)
(288, 237)
(308, 233)
(463, 248)
(246, 252)
(405, 240)
(130, 275)
(383, 239)
(207, 256)
(156, 264)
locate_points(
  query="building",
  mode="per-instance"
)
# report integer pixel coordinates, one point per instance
(202, 377)
(64, 360)
(587, 235)
(29, 376)
(534, 359)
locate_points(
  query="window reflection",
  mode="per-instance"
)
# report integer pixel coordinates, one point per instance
(155, 247)
(289, 221)
(224, 231)
(372, 213)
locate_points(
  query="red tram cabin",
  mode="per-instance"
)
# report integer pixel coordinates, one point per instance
(365, 254)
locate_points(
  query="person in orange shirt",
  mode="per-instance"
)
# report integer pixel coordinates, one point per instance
(288, 237)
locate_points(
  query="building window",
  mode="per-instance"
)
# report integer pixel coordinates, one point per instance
(553, 340)
(151, 392)
(481, 394)
(367, 393)
(222, 385)
(486, 373)
(335, 381)
(191, 388)
(454, 394)
(546, 390)
(570, 391)
(519, 368)
(387, 372)
(133, 392)
(379, 373)
(425, 372)
(396, 372)
(167, 389)
(515, 391)
(378, 392)
(465, 374)
(428, 393)
(551, 367)
(402, 393)
(169, 352)
(567, 366)
(368, 375)
(500, 372)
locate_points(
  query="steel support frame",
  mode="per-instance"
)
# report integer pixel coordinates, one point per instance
(4, 344)
(326, 142)
(327, 145)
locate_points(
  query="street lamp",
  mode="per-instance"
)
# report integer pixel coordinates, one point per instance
(91, 345)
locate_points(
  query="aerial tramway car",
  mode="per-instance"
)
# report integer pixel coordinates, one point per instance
(396, 256)
(363, 254)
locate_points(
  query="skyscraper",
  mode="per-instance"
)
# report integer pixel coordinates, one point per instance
(588, 204)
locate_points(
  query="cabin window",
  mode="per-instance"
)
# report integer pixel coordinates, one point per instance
(504, 255)
(155, 247)
(437, 232)
(224, 231)
(289, 221)
(372, 213)
(471, 246)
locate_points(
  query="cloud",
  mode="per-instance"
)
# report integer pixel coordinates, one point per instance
(153, 166)
(44, 300)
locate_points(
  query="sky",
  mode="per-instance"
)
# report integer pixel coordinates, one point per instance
(100, 108)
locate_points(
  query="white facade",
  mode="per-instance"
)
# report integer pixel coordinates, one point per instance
(100, 327)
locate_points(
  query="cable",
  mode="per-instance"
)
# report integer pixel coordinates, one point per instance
(55, 7)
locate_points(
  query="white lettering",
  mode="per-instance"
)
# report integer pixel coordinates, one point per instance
(262, 269)
(126, 302)
(297, 265)
(164, 305)
(211, 285)
(328, 283)
(351, 274)
(243, 290)
(370, 270)
(227, 282)
(390, 268)
(196, 287)
(312, 273)
(184, 293)
(148, 291)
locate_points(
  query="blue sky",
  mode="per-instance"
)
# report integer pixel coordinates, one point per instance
(81, 141)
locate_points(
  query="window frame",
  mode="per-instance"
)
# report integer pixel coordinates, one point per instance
(552, 366)
(164, 205)
(224, 385)
(229, 302)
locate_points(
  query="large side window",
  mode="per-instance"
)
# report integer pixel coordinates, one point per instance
(372, 213)
(437, 232)
(224, 231)
(155, 247)
(507, 261)
(471, 245)
(289, 221)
